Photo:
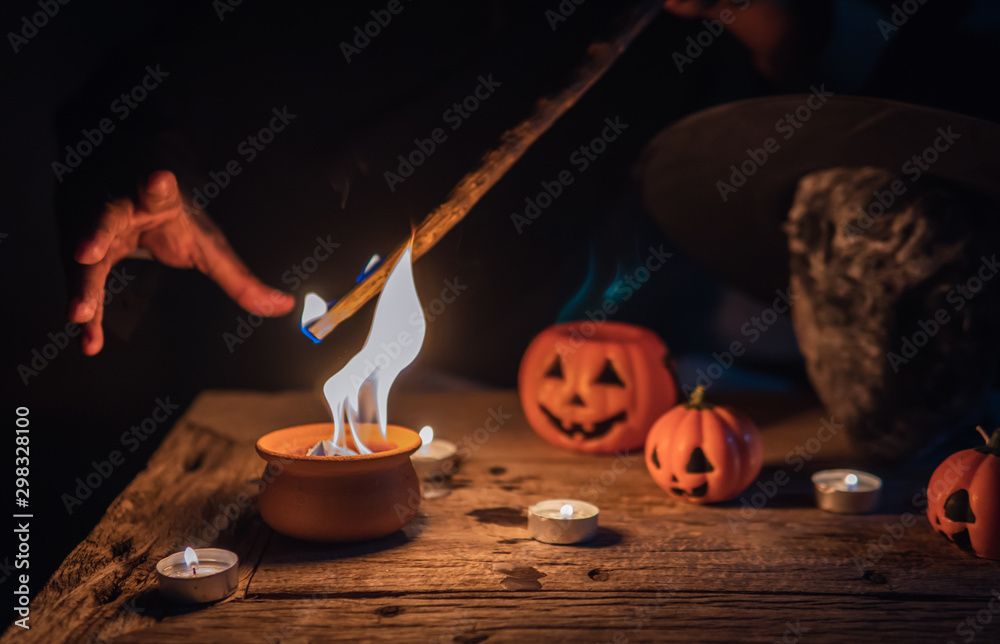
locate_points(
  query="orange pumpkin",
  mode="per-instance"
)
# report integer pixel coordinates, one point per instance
(704, 453)
(963, 498)
(595, 388)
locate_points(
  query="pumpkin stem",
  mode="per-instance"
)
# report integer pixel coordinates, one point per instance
(992, 445)
(697, 400)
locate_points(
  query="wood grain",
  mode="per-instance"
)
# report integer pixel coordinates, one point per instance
(644, 535)
(105, 586)
(594, 616)
(465, 570)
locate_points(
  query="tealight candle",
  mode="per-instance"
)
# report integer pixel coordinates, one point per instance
(562, 521)
(847, 491)
(198, 576)
(435, 456)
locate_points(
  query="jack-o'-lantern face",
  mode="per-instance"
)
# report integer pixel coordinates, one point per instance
(703, 453)
(697, 465)
(599, 392)
(963, 498)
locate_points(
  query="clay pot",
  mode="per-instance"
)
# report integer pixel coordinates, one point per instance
(338, 498)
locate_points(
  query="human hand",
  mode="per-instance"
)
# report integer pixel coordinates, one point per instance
(774, 32)
(176, 235)
(693, 8)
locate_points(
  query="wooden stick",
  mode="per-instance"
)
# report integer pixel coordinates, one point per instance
(494, 164)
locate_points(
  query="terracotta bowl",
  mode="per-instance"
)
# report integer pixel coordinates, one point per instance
(338, 498)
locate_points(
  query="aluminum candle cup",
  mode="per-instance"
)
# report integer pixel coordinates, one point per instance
(847, 491)
(562, 521)
(214, 578)
(435, 458)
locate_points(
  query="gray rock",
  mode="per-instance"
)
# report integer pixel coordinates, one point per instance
(896, 309)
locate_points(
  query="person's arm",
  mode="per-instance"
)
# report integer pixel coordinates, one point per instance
(781, 35)
(173, 232)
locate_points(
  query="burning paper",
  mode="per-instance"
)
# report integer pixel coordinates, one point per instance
(360, 391)
(313, 307)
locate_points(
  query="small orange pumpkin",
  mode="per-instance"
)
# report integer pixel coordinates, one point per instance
(704, 453)
(595, 388)
(963, 498)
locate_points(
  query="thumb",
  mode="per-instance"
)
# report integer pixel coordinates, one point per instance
(160, 192)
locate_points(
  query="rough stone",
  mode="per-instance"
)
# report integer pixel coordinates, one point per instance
(899, 342)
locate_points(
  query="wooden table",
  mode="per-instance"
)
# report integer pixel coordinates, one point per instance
(465, 571)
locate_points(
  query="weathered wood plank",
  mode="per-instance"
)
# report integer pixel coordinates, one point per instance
(103, 587)
(780, 549)
(786, 546)
(596, 616)
(740, 575)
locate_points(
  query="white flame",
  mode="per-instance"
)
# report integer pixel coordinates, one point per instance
(851, 480)
(371, 263)
(426, 436)
(313, 307)
(566, 511)
(361, 388)
(190, 557)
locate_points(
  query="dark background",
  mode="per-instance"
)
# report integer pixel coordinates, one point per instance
(323, 177)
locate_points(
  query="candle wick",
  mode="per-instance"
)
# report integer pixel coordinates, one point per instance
(194, 570)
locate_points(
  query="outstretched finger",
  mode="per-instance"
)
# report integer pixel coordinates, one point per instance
(217, 260)
(113, 222)
(87, 301)
(92, 340)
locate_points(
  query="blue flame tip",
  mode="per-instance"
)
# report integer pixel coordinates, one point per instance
(366, 271)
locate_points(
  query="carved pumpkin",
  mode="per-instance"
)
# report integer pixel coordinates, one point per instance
(963, 498)
(595, 388)
(704, 453)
